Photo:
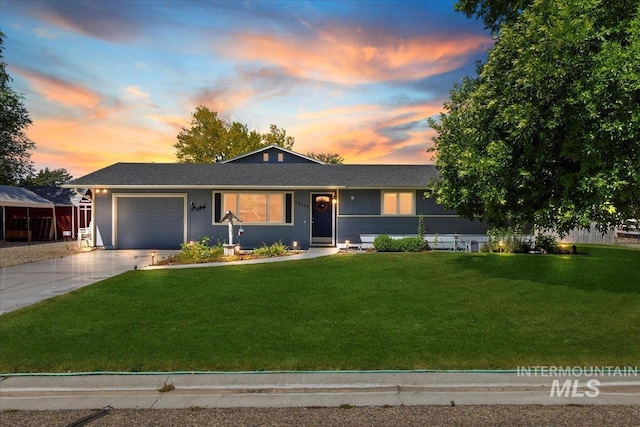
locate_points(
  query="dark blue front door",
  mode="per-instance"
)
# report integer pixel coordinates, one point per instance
(322, 218)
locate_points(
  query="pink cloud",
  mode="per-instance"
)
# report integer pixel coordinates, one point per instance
(60, 91)
(353, 57)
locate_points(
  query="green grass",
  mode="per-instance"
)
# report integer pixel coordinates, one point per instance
(361, 311)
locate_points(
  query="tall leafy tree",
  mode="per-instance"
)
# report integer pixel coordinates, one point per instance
(548, 133)
(15, 158)
(211, 139)
(331, 158)
(279, 137)
(492, 12)
(46, 176)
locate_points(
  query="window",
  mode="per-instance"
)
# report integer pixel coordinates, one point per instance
(398, 203)
(280, 157)
(257, 208)
(265, 157)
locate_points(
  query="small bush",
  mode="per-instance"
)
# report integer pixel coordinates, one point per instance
(199, 252)
(509, 240)
(268, 251)
(384, 243)
(547, 243)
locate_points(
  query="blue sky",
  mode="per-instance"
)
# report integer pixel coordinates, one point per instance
(111, 81)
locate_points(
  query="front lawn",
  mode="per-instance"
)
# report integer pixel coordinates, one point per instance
(356, 311)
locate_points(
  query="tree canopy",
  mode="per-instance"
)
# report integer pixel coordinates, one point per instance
(211, 139)
(492, 12)
(15, 158)
(46, 176)
(548, 133)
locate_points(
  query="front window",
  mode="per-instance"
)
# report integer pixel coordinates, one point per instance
(258, 208)
(398, 202)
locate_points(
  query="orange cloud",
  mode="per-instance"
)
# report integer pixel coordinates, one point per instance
(83, 147)
(60, 91)
(358, 133)
(353, 57)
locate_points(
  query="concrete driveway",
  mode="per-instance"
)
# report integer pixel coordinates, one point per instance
(26, 284)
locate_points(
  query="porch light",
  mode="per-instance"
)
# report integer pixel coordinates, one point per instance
(333, 199)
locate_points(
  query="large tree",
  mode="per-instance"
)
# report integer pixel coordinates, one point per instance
(548, 133)
(15, 158)
(492, 12)
(46, 176)
(211, 139)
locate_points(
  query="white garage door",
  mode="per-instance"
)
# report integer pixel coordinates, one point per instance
(150, 222)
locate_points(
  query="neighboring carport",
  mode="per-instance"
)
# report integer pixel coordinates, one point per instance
(24, 215)
(73, 208)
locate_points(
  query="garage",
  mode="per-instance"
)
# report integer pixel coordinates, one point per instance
(150, 221)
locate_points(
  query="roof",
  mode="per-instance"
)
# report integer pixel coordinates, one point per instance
(270, 147)
(57, 195)
(21, 197)
(266, 176)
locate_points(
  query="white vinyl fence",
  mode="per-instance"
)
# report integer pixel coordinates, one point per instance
(586, 236)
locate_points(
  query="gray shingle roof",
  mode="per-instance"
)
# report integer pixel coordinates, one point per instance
(258, 175)
(17, 196)
(58, 196)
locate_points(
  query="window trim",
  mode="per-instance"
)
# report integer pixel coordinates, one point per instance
(397, 193)
(223, 208)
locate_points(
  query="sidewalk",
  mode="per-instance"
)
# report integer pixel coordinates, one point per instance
(321, 389)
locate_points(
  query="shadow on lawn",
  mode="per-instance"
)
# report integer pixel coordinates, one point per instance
(601, 269)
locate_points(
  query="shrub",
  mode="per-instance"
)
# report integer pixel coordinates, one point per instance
(547, 243)
(384, 243)
(510, 240)
(199, 252)
(411, 244)
(275, 249)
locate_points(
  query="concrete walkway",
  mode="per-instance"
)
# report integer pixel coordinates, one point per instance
(226, 390)
(26, 284)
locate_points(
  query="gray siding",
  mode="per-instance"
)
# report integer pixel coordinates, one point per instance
(360, 214)
(359, 202)
(273, 157)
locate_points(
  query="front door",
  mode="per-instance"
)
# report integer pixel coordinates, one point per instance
(322, 219)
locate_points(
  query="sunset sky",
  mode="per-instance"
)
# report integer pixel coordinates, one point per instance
(114, 81)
